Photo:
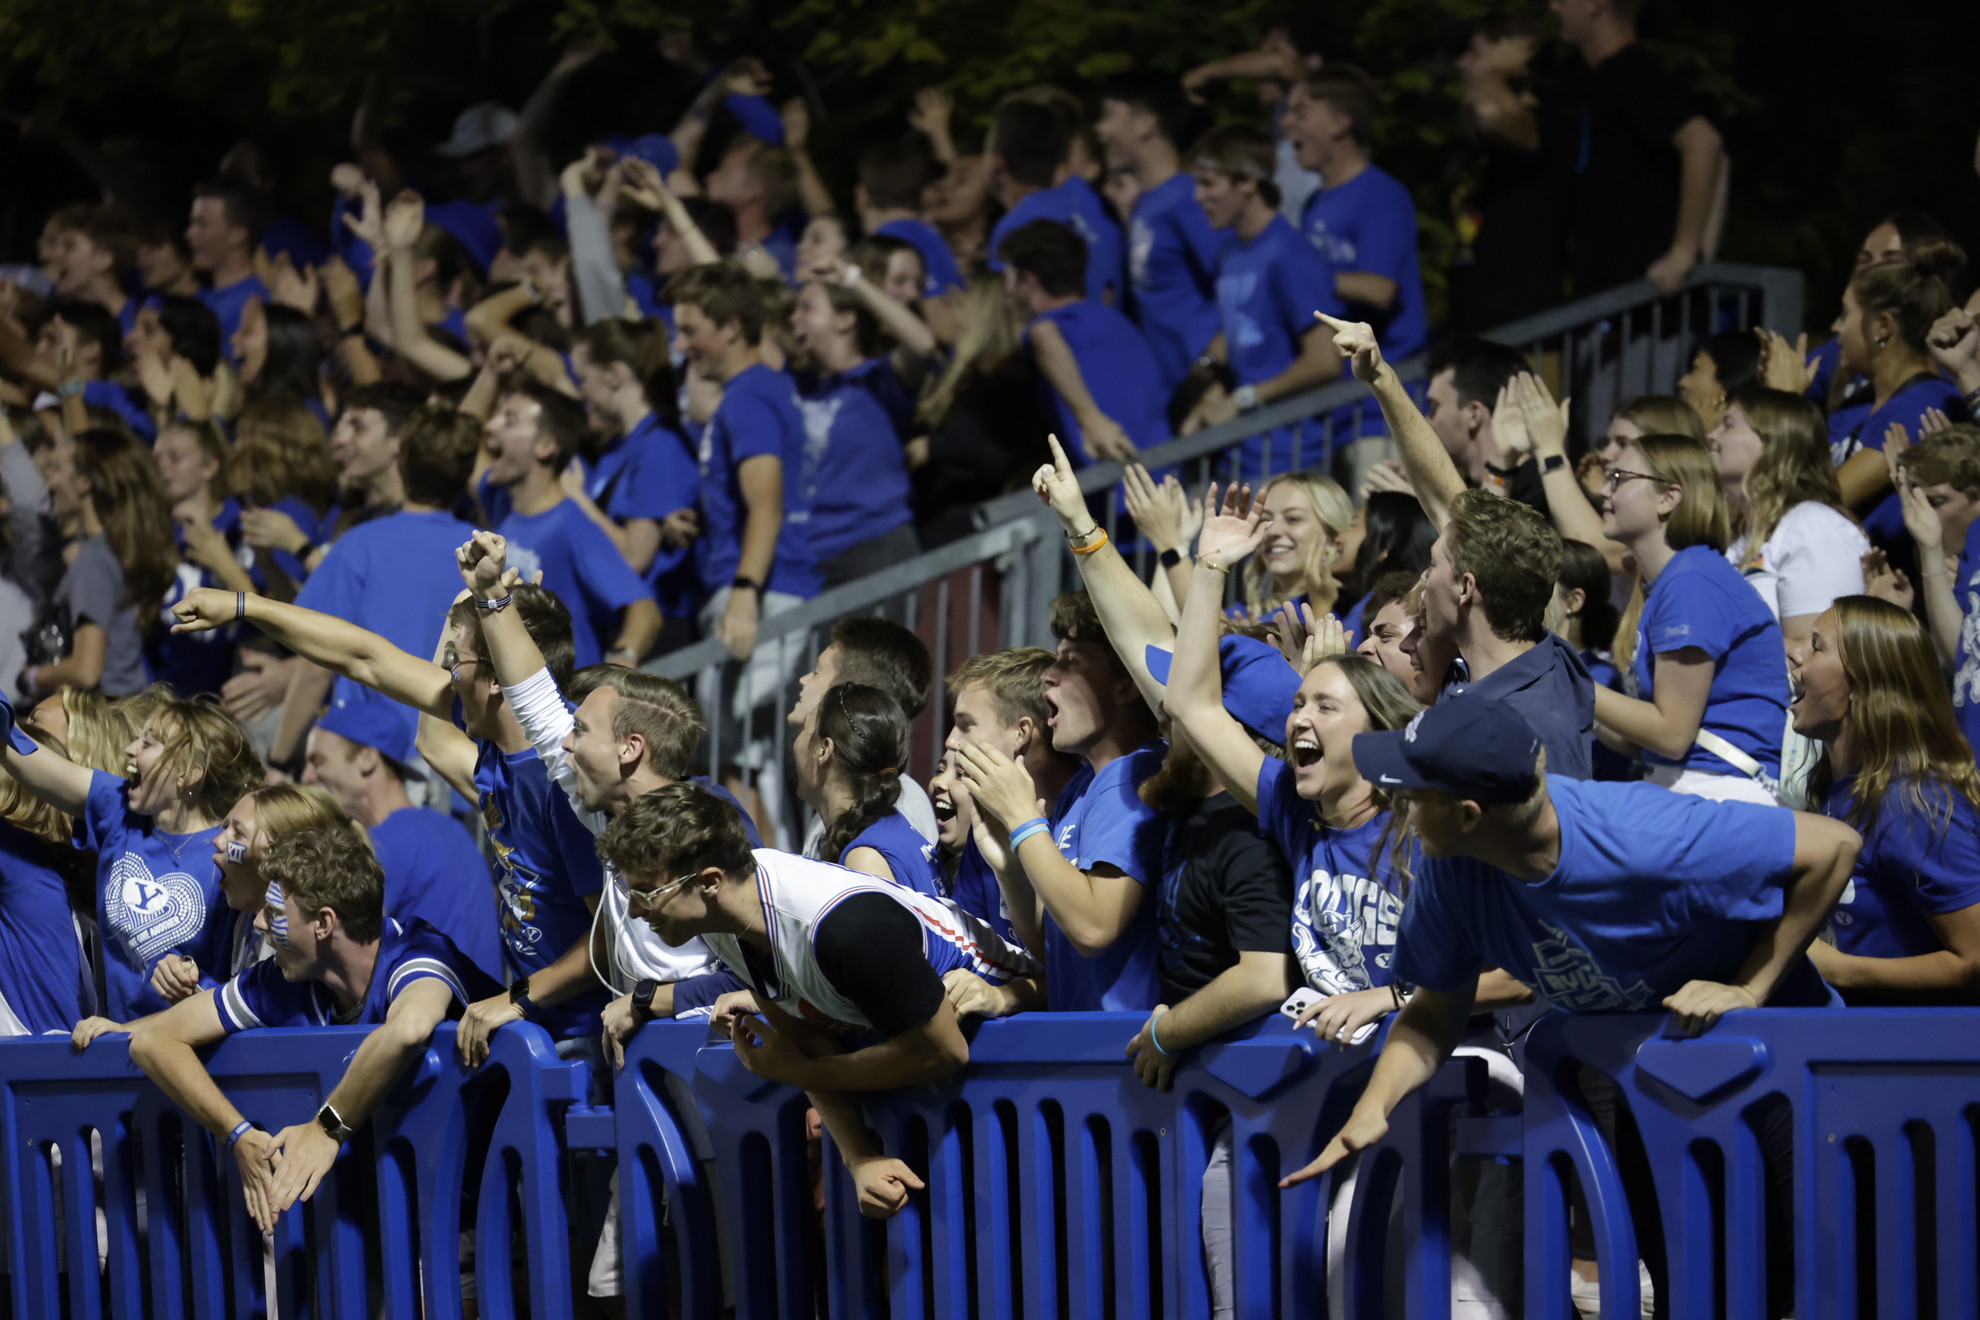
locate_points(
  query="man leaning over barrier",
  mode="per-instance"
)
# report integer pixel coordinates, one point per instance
(1604, 897)
(339, 961)
(844, 970)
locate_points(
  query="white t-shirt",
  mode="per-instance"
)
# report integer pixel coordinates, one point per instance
(1815, 555)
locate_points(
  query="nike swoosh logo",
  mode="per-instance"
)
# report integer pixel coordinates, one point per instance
(1389, 779)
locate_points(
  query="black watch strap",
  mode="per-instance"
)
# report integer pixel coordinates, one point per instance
(749, 582)
(1552, 463)
(1171, 558)
(642, 997)
(519, 996)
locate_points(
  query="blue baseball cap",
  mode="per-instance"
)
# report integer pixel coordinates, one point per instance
(1469, 747)
(1258, 683)
(757, 116)
(370, 720)
(656, 149)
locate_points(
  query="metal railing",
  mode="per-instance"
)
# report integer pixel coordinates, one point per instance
(991, 589)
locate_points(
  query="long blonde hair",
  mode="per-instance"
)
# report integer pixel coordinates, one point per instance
(1906, 733)
(989, 337)
(100, 728)
(1264, 593)
(1793, 467)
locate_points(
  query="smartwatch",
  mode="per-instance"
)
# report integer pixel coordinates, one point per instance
(642, 997)
(1553, 463)
(750, 582)
(332, 1122)
(519, 996)
(1171, 557)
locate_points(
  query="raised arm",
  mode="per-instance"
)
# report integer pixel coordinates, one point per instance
(1546, 426)
(343, 648)
(813, 195)
(601, 288)
(644, 186)
(1700, 153)
(1430, 470)
(44, 772)
(528, 151)
(1129, 613)
(1196, 693)
(405, 218)
(1943, 616)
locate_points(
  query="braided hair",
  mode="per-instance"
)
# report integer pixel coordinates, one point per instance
(869, 735)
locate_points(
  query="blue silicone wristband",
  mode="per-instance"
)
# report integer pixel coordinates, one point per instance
(1036, 825)
(1155, 1038)
(240, 1130)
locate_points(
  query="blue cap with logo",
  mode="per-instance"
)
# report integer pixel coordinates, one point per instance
(369, 720)
(1469, 747)
(1258, 683)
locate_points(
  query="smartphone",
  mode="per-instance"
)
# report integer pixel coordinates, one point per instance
(1299, 1001)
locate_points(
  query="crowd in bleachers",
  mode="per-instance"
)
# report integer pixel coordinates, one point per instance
(331, 557)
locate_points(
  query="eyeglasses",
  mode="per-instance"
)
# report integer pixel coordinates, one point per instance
(1617, 477)
(650, 898)
(453, 660)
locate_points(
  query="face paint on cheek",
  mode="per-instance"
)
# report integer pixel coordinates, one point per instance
(236, 852)
(278, 923)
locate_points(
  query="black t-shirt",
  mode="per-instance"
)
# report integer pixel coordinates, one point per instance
(1626, 170)
(1516, 213)
(872, 951)
(1225, 891)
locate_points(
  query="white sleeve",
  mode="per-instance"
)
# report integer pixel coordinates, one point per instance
(539, 707)
(1817, 555)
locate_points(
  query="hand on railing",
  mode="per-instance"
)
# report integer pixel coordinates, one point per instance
(254, 1156)
(90, 1028)
(1698, 1004)
(1153, 1064)
(301, 1156)
(1236, 530)
(971, 995)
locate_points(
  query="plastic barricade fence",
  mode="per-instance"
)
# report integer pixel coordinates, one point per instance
(1880, 1106)
(381, 1237)
(1058, 1185)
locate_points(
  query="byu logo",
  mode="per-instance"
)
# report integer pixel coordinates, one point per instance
(150, 915)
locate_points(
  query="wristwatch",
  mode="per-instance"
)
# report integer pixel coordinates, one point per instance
(1245, 397)
(1171, 557)
(642, 997)
(519, 996)
(1552, 463)
(750, 582)
(332, 1122)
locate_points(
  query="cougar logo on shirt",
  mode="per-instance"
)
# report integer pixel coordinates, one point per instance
(151, 915)
(1335, 920)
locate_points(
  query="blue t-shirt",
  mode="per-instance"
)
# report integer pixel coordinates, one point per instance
(42, 976)
(109, 394)
(579, 563)
(1914, 866)
(1369, 224)
(228, 303)
(546, 862)
(1653, 889)
(758, 415)
(977, 892)
(1172, 255)
(1700, 600)
(854, 468)
(1550, 686)
(1120, 372)
(1347, 897)
(1267, 292)
(1966, 670)
(1884, 520)
(1100, 820)
(651, 473)
(408, 951)
(936, 259)
(156, 893)
(1074, 204)
(435, 874)
(202, 661)
(394, 576)
(901, 846)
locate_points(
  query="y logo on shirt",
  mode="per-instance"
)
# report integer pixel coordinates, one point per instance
(1234, 293)
(151, 915)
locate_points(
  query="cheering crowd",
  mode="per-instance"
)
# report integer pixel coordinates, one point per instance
(330, 560)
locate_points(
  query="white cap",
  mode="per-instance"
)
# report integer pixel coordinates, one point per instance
(478, 128)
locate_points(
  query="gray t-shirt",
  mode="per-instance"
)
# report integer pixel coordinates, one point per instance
(93, 591)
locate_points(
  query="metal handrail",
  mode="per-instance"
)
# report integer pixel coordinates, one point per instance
(1016, 521)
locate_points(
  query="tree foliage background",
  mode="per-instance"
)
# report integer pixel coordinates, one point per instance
(1834, 113)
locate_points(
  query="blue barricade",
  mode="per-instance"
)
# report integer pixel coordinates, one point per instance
(1058, 1185)
(381, 1236)
(1881, 1106)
